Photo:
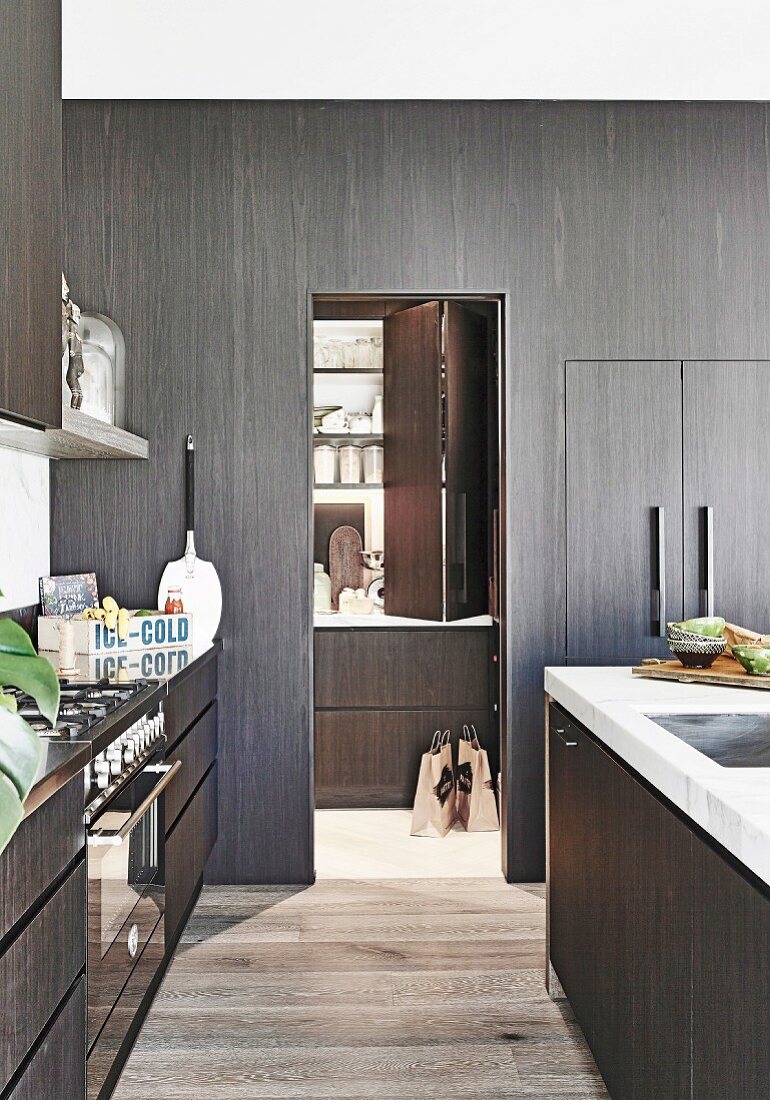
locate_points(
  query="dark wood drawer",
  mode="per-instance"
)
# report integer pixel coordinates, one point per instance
(189, 699)
(371, 758)
(45, 843)
(402, 668)
(39, 967)
(117, 1037)
(188, 846)
(107, 975)
(197, 750)
(58, 1068)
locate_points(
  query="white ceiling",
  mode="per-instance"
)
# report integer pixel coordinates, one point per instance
(416, 49)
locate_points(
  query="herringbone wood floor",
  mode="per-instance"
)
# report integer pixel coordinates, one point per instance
(410, 988)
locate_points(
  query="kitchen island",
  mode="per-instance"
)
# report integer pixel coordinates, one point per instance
(658, 896)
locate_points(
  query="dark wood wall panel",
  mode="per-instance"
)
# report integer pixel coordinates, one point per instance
(619, 231)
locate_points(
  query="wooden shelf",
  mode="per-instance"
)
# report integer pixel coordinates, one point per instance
(347, 438)
(80, 436)
(358, 486)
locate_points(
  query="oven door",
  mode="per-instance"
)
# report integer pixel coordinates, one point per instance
(125, 886)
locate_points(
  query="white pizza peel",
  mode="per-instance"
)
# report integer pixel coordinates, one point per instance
(198, 580)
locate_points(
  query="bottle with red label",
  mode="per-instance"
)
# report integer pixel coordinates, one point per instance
(174, 605)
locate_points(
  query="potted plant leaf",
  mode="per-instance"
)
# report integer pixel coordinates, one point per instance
(20, 751)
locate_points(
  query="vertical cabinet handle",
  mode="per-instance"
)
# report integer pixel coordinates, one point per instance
(661, 536)
(707, 601)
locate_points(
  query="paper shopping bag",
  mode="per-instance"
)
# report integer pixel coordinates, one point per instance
(476, 803)
(434, 800)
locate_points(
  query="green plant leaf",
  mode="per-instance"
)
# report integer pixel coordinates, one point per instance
(9, 702)
(11, 811)
(36, 676)
(14, 639)
(20, 752)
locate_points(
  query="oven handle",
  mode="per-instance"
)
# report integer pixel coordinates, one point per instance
(119, 835)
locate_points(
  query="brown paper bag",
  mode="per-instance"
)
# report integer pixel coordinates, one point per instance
(476, 803)
(434, 800)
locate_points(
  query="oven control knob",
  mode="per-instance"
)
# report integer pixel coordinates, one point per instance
(116, 765)
(133, 940)
(129, 752)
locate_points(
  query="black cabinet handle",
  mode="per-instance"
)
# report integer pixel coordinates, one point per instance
(661, 535)
(566, 738)
(708, 547)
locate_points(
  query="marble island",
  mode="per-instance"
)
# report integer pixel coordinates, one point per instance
(731, 804)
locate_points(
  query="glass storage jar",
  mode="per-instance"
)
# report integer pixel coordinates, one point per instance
(323, 464)
(350, 464)
(373, 463)
(322, 588)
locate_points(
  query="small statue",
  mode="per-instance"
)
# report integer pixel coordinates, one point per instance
(70, 320)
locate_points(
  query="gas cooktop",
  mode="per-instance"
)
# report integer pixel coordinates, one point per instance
(89, 709)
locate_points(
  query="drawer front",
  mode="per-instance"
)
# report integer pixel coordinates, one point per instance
(39, 967)
(188, 846)
(59, 1066)
(197, 750)
(108, 1055)
(395, 668)
(44, 844)
(189, 699)
(371, 758)
(107, 975)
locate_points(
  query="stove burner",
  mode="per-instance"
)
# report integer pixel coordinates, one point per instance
(82, 706)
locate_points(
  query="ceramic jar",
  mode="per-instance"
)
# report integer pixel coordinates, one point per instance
(323, 464)
(322, 588)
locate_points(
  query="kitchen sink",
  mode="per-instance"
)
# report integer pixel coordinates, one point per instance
(732, 740)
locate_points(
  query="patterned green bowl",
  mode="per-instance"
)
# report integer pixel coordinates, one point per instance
(754, 658)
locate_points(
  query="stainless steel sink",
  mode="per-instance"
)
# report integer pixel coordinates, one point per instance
(732, 740)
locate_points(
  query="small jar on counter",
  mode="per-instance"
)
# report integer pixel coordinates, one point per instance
(322, 588)
(174, 605)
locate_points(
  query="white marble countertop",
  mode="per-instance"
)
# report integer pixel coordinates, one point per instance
(731, 804)
(375, 620)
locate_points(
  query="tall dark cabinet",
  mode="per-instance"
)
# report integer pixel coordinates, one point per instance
(30, 212)
(726, 517)
(624, 507)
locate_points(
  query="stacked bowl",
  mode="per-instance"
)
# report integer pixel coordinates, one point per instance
(697, 642)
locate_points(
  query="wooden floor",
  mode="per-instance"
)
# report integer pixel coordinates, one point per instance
(410, 988)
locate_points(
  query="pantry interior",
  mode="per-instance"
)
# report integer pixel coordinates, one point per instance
(406, 487)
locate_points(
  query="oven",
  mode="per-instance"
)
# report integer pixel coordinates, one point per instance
(125, 831)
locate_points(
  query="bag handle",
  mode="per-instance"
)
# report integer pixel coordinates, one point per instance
(445, 740)
(466, 734)
(435, 744)
(474, 740)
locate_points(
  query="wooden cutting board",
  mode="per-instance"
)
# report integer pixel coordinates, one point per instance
(345, 566)
(725, 671)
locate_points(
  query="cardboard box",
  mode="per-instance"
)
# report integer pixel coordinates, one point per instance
(145, 632)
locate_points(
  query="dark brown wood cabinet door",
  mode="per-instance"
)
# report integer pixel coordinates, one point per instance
(414, 582)
(726, 513)
(30, 211)
(731, 978)
(620, 904)
(465, 365)
(624, 463)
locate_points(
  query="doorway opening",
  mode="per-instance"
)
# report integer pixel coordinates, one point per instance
(407, 475)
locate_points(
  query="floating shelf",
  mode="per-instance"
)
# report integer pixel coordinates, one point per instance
(358, 486)
(349, 437)
(353, 372)
(80, 436)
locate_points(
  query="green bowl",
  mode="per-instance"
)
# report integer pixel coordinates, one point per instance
(709, 627)
(754, 658)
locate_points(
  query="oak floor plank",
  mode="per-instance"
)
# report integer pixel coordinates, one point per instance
(413, 989)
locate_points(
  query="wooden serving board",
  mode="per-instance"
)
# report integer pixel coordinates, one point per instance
(725, 671)
(345, 566)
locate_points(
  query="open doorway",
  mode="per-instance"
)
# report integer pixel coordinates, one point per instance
(406, 474)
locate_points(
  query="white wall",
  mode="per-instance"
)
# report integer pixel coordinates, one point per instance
(430, 49)
(24, 527)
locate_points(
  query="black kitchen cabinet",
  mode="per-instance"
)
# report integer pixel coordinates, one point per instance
(659, 938)
(620, 898)
(58, 1066)
(381, 693)
(30, 212)
(435, 384)
(188, 846)
(726, 528)
(624, 507)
